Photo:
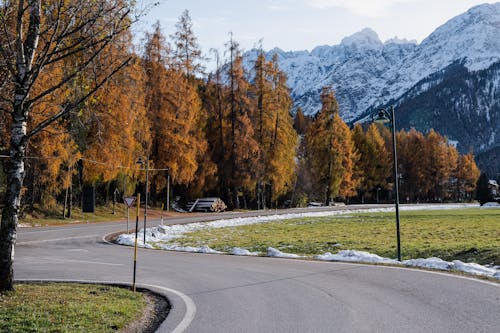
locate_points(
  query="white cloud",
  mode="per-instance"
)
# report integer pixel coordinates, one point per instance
(366, 8)
(280, 5)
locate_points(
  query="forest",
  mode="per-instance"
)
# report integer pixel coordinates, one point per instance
(231, 132)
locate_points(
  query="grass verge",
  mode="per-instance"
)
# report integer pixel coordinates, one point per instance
(64, 307)
(45, 217)
(42, 217)
(471, 235)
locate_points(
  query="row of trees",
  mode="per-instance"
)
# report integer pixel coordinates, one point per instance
(230, 135)
(223, 136)
(357, 164)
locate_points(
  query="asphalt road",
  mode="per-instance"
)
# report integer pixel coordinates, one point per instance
(222, 293)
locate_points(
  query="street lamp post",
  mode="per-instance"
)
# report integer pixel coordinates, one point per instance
(141, 162)
(383, 116)
(168, 190)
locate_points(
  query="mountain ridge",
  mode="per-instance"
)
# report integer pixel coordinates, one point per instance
(367, 73)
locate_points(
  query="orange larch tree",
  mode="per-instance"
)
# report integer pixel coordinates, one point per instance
(330, 151)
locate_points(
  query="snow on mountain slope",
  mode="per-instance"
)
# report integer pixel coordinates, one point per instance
(366, 72)
(472, 36)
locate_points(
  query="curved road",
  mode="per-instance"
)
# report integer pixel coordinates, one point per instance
(222, 293)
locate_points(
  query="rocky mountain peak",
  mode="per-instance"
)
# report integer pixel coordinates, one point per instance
(364, 39)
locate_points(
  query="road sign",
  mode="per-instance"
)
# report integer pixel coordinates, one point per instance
(129, 201)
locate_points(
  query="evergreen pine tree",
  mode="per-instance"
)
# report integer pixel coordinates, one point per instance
(483, 192)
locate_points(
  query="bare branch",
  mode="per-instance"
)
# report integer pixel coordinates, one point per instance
(48, 42)
(7, 52)
(71, 106)
(101, 43)
(73, 75)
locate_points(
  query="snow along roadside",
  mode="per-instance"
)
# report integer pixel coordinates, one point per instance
(157, 237)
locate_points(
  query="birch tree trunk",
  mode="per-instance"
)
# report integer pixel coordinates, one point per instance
(22, 70)
(8, 231)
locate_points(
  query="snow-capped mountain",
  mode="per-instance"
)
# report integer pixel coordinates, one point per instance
(367, 73)
(357, 69)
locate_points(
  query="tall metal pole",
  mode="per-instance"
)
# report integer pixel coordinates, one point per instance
(135, 242)
(396, 187)
(146, 200)
(168, 191)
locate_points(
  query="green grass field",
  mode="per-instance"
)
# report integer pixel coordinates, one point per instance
(471, 235)
(58, 307)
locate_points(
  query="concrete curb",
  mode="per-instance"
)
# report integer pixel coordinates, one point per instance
(182, 308)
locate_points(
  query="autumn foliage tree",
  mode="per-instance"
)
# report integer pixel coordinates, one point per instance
(331, 153)
(274, 131)
(174, 110)
(186, 51)
(242, 146)
(373, 169)
(284, 138)
(466, 174)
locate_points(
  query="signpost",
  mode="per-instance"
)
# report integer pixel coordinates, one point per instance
(129, 202)
(135, 243)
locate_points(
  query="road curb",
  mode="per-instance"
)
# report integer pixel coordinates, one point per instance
(110, 238)
(182, 308)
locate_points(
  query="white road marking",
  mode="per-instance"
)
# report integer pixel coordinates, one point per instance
(447, 274)
(190, 308)
(45, 260)
(64, 228)
(450, 274)
(57, 239)
(86, 262)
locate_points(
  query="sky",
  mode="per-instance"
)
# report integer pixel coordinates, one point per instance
(303, 24)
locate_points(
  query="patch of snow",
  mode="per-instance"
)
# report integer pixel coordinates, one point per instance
(129, 240)
(473, 268)
(275, 253)
(126, 239)
(203, 249)
(491, 204)
(434, 263)
(414, 207)
(456, 265)
(355, 256)
(206, 249)
(238, 251)
(397, 40)
(366, 38)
